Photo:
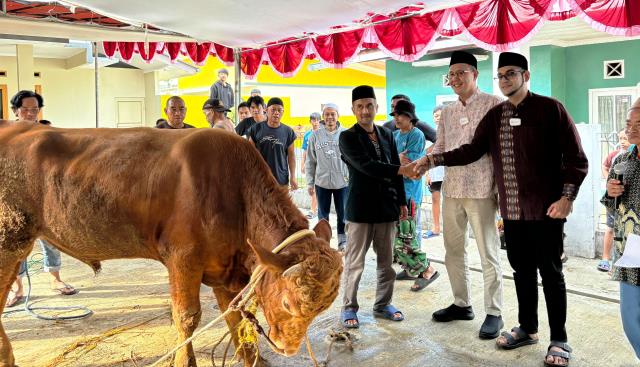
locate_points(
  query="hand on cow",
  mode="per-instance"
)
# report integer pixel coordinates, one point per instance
(404, 212)
(311, 189)
(615, 188)
(404, 160)
(294, 184)
(560, 209)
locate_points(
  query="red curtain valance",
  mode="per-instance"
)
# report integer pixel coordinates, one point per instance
(496, 25)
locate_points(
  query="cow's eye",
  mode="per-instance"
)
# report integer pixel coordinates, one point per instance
(286, 306)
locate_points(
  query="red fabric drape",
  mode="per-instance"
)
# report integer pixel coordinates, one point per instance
(338, 49)
(173, 49)
(407, 39)
(287, 58)
(109, 48)
(500, 25)
(250, 62)
(225, 54)
(198, 52)
(126, 50)
(153, 47)
(618, 17)
(496, 25)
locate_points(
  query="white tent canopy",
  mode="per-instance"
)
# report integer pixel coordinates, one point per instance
(245, 23)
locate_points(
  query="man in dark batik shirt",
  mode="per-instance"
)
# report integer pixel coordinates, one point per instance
(539, 165)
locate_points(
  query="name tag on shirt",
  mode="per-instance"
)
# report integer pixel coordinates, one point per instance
(514, 121)
(464, 121)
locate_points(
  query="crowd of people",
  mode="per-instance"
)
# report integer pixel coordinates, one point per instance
(494, 163)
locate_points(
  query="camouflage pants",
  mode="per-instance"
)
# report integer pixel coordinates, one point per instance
(406, 248)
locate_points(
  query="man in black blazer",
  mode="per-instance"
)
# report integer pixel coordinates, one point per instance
(375, 202)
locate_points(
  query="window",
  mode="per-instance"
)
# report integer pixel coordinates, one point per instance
(614, 69)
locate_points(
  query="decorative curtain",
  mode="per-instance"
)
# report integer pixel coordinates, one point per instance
(338, 49)
(407, 39)
(496, 25)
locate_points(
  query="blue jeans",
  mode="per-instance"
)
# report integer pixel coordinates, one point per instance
(339, 201)
(630, 313)
(51, 258)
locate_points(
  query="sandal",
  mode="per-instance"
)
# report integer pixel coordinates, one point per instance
(404, 275)
(422, 282)
(521, 339)
(389, 312)
(348, 315)
(604, 265)
(565, 353)
(14, 301)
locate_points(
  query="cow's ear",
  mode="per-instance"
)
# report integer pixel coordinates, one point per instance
(275, 262)
(323, 230)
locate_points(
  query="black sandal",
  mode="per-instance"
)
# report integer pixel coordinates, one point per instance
(565, 353)
(521, 339)
(404, 275)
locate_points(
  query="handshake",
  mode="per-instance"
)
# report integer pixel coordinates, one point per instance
(414, 169)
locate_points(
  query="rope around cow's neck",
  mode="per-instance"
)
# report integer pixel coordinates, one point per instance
(243, 297)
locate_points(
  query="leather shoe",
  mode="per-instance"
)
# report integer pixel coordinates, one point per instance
(453, 312)
(491, 327)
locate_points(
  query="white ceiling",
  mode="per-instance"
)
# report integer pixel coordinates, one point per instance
(250, 23)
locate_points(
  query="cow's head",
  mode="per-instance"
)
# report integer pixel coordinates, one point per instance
(300, 283)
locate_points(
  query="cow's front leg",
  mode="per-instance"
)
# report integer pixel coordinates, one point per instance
(185, 283)
(9, 264)
(247, 353)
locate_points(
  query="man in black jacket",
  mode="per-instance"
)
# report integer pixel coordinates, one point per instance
(375, 202)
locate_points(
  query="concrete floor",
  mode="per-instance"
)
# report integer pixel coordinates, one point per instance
(130, 292)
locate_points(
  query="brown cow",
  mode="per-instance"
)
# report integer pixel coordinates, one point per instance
(189, 199)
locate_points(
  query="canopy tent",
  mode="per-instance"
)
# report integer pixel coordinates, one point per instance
(283, 33)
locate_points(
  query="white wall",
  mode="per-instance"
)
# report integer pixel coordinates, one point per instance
(69, 95)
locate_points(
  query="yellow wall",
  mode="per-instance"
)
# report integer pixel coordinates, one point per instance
(69, 95)
(307, 90)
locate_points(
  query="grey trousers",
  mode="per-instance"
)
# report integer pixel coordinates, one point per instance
(481, 214)
(359, 237)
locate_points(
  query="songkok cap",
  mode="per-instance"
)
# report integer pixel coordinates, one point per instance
(404, 107)
(363, 91)
(512, 59)
(463, 57)
(275, 100)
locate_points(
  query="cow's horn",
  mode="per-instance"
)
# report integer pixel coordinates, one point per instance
(293, 270)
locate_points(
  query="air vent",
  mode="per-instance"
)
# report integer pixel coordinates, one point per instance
(614, 69)
(3, 73)
(36, 74)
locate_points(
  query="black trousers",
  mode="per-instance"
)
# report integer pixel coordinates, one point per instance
(533, 246)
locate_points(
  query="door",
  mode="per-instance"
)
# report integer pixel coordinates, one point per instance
(4, 103)
(608, 107)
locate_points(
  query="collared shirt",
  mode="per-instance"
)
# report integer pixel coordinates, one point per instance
(457, 126)
(537, 159)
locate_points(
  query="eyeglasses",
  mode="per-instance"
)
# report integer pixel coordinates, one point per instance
(631, 126)
(459, 73)
(510, 74)
(30, 109)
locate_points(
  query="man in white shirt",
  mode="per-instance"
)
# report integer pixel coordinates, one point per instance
(470, 198)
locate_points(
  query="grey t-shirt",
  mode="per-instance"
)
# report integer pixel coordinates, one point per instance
(273, 144)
